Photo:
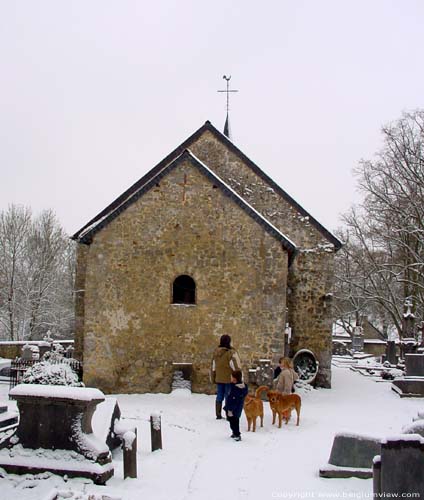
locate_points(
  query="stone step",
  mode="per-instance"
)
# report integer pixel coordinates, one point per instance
(8, 418)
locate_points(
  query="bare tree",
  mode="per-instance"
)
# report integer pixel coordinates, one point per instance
(385, 236)
(14, 227)
(36, 272)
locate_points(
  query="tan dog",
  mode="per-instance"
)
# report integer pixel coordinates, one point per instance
(253, 408)
(281, 405)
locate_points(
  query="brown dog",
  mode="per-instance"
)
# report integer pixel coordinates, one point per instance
(281, 405)
(253, 408)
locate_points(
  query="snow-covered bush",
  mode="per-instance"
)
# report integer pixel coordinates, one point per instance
(46, 373)
(391, 374)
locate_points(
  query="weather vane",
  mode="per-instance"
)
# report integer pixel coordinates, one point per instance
(227, 79)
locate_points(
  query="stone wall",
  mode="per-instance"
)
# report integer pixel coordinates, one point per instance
(309, 312)
(132, 333)
(311, 275)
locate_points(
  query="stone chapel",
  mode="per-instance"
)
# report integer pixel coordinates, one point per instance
(204, 244)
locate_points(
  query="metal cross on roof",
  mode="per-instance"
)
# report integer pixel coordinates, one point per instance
(227, 78)
(227, 122)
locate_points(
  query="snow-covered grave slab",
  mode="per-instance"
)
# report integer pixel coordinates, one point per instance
(351, 456)
(409, 387)
(55, 426)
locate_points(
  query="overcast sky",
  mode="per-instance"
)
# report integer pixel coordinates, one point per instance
(94, 93)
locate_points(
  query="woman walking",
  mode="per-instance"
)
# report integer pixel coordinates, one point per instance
(224, 360)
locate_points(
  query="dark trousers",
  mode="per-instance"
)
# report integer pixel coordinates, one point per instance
(235, 425)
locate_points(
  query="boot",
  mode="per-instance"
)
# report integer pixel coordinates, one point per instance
(218, 409)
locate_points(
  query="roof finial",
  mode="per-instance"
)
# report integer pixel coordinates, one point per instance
(227, 130)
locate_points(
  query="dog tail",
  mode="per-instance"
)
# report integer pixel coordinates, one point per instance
(261, 389)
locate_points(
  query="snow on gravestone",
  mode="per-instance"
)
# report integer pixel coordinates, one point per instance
(56, 421)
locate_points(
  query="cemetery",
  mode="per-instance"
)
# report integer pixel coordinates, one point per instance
(72, 441)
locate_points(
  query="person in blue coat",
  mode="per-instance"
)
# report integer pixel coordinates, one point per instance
(235, 402)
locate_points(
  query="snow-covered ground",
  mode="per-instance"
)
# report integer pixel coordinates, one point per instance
(199, 461)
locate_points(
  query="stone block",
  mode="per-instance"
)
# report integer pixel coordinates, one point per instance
(57, 420)
(351, 450)
(409, 387)
(351, 456)
(402, 466)
(414, 365)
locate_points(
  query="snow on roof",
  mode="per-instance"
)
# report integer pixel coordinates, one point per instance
(57, 391)
(141, 183)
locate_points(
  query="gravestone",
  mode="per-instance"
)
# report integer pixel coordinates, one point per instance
(391, 356)
(414, 365)
(265, 373)
(358, 339)
(399, 470)
(57, 419)
(412, 385)
(30, 352)
(351, 456)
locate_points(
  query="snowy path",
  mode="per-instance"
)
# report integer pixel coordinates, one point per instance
(200, 462)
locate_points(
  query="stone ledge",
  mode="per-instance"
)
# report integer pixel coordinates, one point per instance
(25, 465)
(335, 472)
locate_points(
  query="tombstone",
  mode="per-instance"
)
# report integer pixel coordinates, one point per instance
(412, 384)
(69, 352)
(57, 419)
(358, 339)
(351, 456)
(391, 356)
(414, 365)
(35, 352)
(252, 375)
(408, 323)
(48, 337)
(408, 345)
(399, 470)
(26, 353)
(265, 373)
(339, 348)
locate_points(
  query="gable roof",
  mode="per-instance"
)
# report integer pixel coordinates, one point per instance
(177, 152)
(86, 234)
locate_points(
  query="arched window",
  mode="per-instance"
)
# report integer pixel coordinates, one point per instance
(184, 290)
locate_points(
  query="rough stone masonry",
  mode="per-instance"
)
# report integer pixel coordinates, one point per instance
(255, 258)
